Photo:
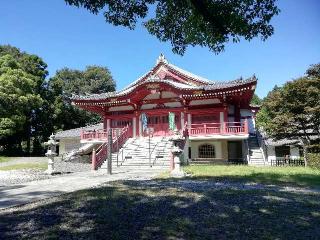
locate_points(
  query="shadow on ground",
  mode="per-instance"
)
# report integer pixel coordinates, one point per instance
(165, 209)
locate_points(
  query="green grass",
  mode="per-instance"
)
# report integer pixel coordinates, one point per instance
(135, 210)
(5, 159)
(298, 176)
(20, 166)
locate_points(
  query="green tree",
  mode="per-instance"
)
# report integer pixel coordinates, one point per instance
(18, 98)
(314, 71)
(293, 111)
(35, 66)
(256, 100)
(94, 79)
(207, 23)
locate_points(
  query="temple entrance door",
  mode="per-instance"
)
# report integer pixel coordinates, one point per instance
(160, 124)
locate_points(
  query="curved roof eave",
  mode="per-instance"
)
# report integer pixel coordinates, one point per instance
(179, 86)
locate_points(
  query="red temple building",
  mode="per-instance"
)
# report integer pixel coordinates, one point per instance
(216, 117)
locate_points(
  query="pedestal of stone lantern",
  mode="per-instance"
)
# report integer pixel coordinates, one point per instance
(51, 153)
(176, 152)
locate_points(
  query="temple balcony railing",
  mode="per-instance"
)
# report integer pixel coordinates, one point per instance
(222, 129)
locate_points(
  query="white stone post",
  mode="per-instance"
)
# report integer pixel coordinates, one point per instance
(176, 152)
(51, 153)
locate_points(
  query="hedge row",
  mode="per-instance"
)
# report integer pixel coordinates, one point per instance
(314, 160)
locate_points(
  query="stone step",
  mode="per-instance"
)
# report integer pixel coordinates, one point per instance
(135, 155)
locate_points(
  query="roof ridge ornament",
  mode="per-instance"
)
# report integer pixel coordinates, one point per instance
(154, 77)
(162, 59)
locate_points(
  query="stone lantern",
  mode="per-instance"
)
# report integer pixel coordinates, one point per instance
(51, 153)
(176, 151)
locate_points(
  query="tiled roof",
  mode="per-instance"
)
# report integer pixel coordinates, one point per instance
(202, 83)
(272, 142)
(189, 74)
(75, 133)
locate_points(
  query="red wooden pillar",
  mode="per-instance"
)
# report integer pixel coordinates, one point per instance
(104, 122)
(138, 124)
(237, 117)
(225, 116)
(81, 134)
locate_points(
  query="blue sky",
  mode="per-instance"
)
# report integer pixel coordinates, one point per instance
(66, 36)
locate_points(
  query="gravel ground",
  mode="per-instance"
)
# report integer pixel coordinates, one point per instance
(67, 167)
(27, 175)
(169, 209)
(21, 176)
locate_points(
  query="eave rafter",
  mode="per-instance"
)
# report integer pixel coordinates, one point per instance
(222, 94)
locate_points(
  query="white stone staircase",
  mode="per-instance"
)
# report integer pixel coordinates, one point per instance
(135, 154)
(256, 155)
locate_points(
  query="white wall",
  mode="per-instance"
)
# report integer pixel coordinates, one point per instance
(121, 108)
(173, 104)
(68, 144)
(148, 106)
(204, 101)
(251, 123)
(195, 145)
(294, 152)
(271, 153)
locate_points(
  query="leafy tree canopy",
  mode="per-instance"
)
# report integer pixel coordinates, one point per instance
(20, 79)
(207, 23)
(256, 100)
(94, 79)
(293, 111)
(31, 108)
(314, 71)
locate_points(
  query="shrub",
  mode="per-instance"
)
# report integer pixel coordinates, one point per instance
(314, 160)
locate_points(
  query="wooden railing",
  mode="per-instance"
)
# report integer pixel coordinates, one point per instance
(226, 128)
(203, 129)
(99, 156)
(119, 137)
(100, 134)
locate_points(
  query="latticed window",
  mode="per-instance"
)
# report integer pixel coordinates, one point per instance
(120, 123)
(206, 151)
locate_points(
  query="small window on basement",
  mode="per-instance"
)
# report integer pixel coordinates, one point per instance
(206, 151)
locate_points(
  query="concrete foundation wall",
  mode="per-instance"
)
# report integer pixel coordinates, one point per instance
(221, 148)
(68, 144)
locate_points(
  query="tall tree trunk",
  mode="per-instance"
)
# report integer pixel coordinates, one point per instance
(305, 144)
(28, 134)
(305, 155)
